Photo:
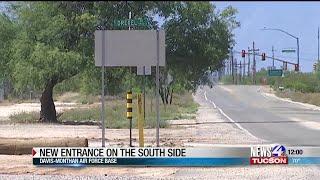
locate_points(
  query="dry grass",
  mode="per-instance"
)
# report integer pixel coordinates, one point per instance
(310, 98)
(183, 107)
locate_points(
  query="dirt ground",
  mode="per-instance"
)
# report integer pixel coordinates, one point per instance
(9, 109)
(180, 133)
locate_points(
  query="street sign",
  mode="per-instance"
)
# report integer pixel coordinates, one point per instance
(130, 22)
(147, 70)
(275, 72)
(288, 50)
(129, 48)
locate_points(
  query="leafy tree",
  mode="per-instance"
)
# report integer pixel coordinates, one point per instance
(55, 43)
(198, 40)
(47, 50)
(7, 33)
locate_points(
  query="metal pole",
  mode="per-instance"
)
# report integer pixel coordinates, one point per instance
(130, 121)
(102, 90)
(244, 68)
(254, 63)
(318, 47)
(240, 72)
(248, 61)
(144, 92)
(157, 89)
(236, 71)
(298, 54)
(272, 58)
(232, 67)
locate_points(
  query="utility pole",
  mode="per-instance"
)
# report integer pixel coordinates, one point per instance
(228, 67)
(232, 66)
(244, 67)
(254, 63)
(225, 67)
(244, 70)
(236, 71)
(272, 58)
(240, 72)
(318, 47)
(248, 62)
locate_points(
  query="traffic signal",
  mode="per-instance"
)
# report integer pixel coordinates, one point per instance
(314, 66)
(243, 53)
(296, 67)
(263, 56)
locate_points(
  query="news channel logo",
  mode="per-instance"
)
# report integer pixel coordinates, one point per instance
(279, 151)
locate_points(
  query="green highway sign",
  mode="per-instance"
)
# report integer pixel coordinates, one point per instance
(275, 72)
(288, 50)
(131, 22)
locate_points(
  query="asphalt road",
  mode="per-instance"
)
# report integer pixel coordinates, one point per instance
(267, 117)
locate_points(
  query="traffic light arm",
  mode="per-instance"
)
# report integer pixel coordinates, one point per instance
(257, 54)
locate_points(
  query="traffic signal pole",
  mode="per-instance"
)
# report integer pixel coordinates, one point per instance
(248, 62)
(272, 57)
(254, 65)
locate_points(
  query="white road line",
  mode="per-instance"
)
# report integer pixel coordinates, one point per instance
(205, 97)
(238, 125)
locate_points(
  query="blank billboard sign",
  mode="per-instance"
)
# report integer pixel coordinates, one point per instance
(130, 48)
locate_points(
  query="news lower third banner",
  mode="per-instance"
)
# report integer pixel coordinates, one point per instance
(213, 156)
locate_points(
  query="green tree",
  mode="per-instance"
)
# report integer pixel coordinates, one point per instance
(198, 40)
(7, 34)
(47, 49)
(55, 42)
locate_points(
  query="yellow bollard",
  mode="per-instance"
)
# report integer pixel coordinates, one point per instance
(140, 121)
(129, 105)
(129, 114)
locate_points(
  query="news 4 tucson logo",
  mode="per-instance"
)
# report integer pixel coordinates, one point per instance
(268, 155)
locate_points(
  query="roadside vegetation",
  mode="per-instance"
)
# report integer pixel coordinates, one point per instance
(183, 107)
(298, 86)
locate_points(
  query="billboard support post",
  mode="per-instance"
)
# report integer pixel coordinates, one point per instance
(102, 90)
(157, 84)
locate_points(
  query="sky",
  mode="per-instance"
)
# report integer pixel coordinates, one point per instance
(300, 19)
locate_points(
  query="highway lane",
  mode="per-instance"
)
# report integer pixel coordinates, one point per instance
(267, 117)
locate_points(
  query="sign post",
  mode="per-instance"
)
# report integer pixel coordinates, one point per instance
(144, 92)
(121, 50)
(145, 70)
(157, 89)
(102, 90)
(140, 120)
(130, 143)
